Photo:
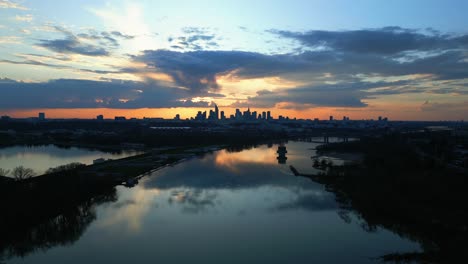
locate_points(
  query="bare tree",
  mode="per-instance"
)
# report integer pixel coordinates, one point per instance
(21, 173)
(4, 172)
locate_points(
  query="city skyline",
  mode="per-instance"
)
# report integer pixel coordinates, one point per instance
(303, 59)
(210, 115)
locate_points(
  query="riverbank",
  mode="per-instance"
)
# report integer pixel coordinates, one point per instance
(56, 190)
(33, 205)
(398, 188)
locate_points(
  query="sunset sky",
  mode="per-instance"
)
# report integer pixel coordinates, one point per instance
(407, 60)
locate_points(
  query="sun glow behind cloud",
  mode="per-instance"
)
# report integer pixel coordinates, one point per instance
(130, 20)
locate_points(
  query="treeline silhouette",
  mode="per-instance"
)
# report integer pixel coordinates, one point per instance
(50, 210)
(406, 190)
(114, 134)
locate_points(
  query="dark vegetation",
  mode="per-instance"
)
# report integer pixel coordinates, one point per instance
(66, 167)
(407, 185)
(111, 134)
(54, 209)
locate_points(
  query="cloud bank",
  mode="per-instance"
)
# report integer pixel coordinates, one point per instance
(332, 68)
(88, 44)
(70, 93)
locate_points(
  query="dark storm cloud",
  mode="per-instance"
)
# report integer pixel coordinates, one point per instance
(56, 66)
(188, 68)
(338, 95)
(197, 70)
(33, 62)
(68, 93)
(386, 41)
(390, 51)
(72, 45)
(347, 57)
(101, 42)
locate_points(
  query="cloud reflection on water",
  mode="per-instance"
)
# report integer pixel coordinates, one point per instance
(194, 183)
(243, 181)
(128, 214)
(232, 160)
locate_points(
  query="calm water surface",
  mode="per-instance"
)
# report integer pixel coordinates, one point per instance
(41, 158)
(227, 207)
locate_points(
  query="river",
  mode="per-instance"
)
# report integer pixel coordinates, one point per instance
(226, 207)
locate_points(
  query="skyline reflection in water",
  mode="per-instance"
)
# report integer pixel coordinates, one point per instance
(227, 207)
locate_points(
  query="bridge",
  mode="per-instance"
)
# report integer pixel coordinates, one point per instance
(325, 138)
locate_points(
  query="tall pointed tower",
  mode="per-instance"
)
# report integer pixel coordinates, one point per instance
(216, 112)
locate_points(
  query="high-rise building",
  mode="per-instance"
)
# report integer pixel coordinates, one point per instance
(238, 114)
(100, 117)
(216, 112)
(263, 115)
(199, 116)
(41, 116)
(269, 115)
(223, 117)
(247, 114)
(331, 118)
(212, 116)
(177, 117)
